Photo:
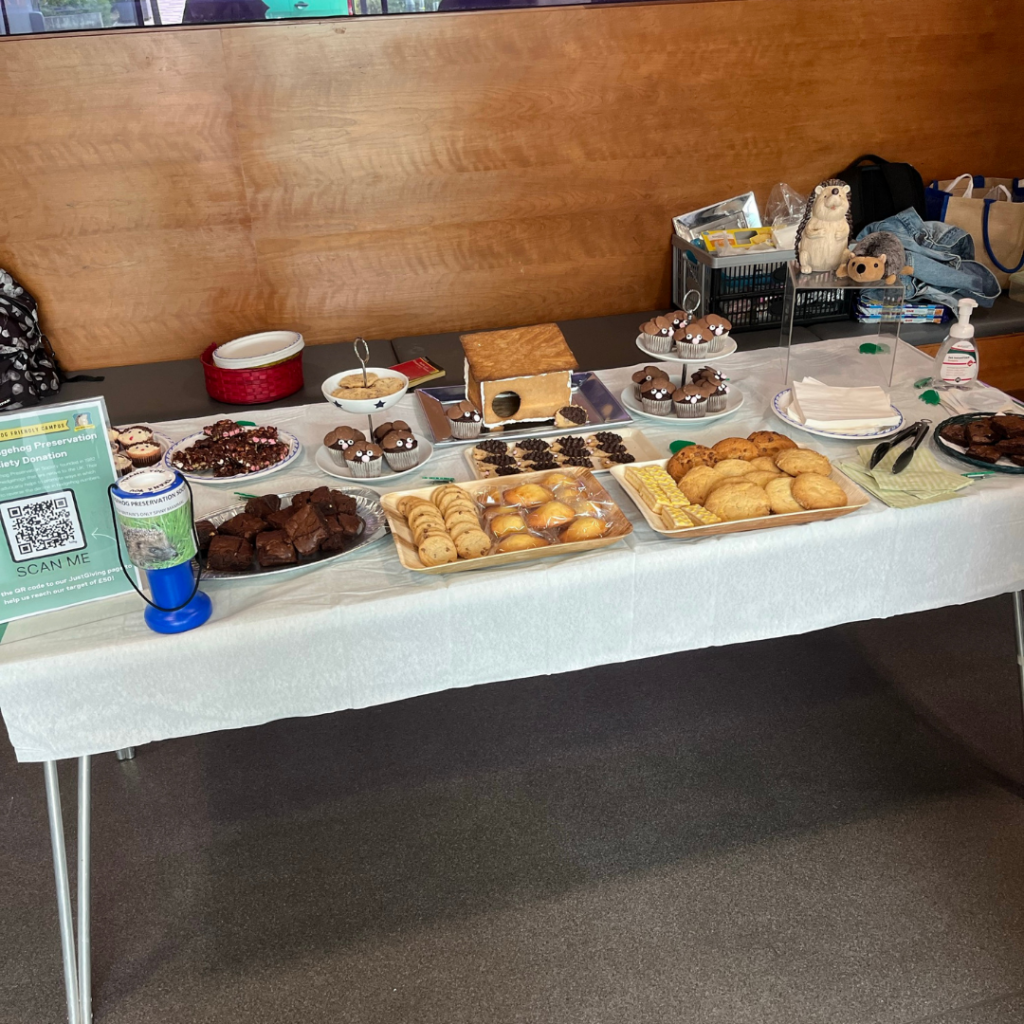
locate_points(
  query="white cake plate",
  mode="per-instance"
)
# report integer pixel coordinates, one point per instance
(733, 401)
(729, 346)
(325, 463)
(780, 406)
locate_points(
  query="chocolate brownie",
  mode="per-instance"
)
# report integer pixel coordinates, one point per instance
(301, 498)
(981, 432)
(229, 554)
(1011, 446)
(984, 453)
(274, 548)
(205, 531)
(243, 525)
(276, 520)
(955, 433)
(343, 502)
(263, 506)
(1008, 426)
(306, 530)
(336, 535)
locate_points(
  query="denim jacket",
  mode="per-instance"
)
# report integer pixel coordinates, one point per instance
(942, 256)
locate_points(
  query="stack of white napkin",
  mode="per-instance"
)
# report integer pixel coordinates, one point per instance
(826, 408)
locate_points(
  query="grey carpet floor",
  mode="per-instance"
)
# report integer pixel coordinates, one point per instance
(777, 833)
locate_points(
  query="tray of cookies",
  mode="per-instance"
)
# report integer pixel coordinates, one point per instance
(488, 523)
(739, 484)
(594, 450)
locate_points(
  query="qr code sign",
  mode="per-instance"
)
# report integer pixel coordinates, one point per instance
(41, 526)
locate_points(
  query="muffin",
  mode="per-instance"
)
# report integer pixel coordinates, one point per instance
(648, 373)
(708, 373)
(464, 420)
(656, 335)
(656, 397)
(123, 464)
(401, 449)
(717, 394)
(339, 440)
(145, 453)
(718, 326)
(134, 435)
(364, 459)
(679, 318)
(690, 403)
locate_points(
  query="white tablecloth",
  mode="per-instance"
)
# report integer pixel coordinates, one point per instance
(365, 631)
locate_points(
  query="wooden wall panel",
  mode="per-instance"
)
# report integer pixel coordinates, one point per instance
(419, 174)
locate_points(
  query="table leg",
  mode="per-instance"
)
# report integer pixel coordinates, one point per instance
(60, 872)
(84, 887)
(125, 754)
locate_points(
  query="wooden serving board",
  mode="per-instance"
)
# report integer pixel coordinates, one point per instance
(620, 528)
(858, 499)
(637, 444)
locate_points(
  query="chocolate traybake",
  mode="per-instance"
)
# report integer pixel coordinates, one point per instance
(322, 521)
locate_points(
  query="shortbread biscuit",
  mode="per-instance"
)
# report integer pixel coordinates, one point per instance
(795, 461)
(768, 442)
(736, 448)
(816, 492)
(732, 467)
(766, 462)
(739, 500)
(780, 494)
(696, 483)
(762, 476)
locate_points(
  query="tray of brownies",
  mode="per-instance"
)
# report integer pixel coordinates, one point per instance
(273, 533)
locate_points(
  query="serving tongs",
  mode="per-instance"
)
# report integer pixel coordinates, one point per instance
(919, 430)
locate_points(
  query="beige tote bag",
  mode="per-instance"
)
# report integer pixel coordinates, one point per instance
(996, 224)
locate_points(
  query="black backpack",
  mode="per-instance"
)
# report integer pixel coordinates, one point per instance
(880, 189)
(29, 372)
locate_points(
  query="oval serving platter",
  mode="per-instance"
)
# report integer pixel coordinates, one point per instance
(368, 508)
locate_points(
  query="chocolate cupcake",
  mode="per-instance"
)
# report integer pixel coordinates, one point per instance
(641, 377)
(693, 340)
(134, 435)
(707, 373)
(717, 398)
(339, 440)
(122, 464)
(364, 459)
(464, 420)
(719, 328)
(401, 449)
(689, 403)
(656, 335)
(145, 453)
(679, 319)
(656, 397)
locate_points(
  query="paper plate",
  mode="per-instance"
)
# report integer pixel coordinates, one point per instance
(207, 477)
(780, 406)
(728, 347)
(256, 350)
(327, 464)
(733, 401)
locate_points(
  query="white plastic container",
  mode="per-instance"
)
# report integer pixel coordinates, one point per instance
(256, 350)
(957, 361)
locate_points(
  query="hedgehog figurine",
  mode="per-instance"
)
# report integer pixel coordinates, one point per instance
(875, 258)
(826, 228)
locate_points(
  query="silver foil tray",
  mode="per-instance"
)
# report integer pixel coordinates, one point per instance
(603, 409)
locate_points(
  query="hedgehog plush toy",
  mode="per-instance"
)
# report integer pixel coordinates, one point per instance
(875, 258)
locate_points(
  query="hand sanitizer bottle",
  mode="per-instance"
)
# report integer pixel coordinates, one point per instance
(956, 362)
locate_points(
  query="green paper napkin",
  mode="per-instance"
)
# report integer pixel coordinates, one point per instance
(924, 481)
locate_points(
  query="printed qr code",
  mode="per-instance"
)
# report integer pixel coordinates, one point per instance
(41, 526)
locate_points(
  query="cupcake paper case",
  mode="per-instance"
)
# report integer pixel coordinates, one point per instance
(656, 397)
(364, 460)
(656, 335)
(401, 449)
(464, 420)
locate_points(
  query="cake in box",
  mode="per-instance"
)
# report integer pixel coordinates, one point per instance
(518, 375)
